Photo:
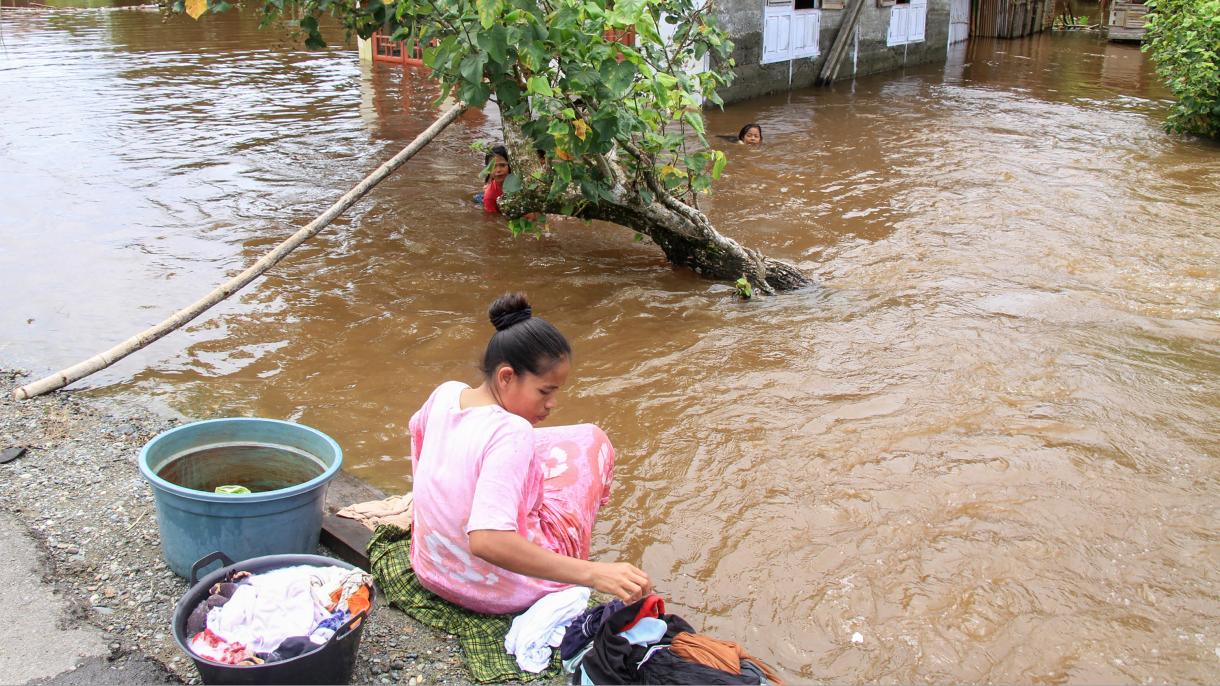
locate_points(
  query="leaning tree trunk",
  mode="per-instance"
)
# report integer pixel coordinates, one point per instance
(683, 233)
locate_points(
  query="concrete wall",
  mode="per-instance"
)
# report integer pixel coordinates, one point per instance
(743, 20)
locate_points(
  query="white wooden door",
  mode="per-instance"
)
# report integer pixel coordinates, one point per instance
(806, 26)
(917, 20)
(907, 23)
(959, 21)
(899, 19)
(777, 33)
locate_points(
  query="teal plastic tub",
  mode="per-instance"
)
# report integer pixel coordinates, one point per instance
(286, 466)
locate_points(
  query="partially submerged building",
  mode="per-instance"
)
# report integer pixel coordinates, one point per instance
(1125, 20)
(784, 44)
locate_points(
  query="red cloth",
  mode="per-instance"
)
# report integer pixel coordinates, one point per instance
(654, 606)
(212, 647)
(491, 196)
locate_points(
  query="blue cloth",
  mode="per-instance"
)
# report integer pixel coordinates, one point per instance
(573, 663)
(334, 621)
(647, 631)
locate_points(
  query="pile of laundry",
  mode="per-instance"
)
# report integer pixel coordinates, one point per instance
(253, 619)
(639, 643)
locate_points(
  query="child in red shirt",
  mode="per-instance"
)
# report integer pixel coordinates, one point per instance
(497, 163)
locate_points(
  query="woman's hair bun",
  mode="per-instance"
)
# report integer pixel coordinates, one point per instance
(509, 309)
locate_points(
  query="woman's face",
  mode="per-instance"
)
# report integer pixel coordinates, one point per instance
(753, 136)
(499, 168)
(531, 396)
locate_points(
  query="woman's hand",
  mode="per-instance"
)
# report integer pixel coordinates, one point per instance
(625, 581)
(510, 550)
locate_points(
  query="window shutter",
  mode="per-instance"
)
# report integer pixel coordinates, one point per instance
(806, 27)
(897, 34)
(777, 33)
(917, 18)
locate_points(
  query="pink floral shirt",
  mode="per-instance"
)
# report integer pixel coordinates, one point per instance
(473, 469)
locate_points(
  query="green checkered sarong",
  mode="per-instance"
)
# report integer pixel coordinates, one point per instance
(481, 636)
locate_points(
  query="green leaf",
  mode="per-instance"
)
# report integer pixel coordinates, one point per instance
(495, 42)
(472, 67)
(512, 184)
(618, 77)
(744, 289)
(606, 124)
(509, 94)
(625, 13)
(718, 165)
(489, 11)
(538, 85)
(662, 93)
(519, 226)
(694, 120)
(588, 188)
(474, 94)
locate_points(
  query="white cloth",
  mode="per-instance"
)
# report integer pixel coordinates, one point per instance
(539, 629)
(270, 607)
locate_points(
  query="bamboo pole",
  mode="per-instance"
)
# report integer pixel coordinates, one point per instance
(838, 47)
(178, 319)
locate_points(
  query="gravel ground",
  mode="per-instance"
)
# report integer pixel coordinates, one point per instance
(78, 490)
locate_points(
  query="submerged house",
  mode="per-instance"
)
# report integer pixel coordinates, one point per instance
(784, 44)
(1125, 20)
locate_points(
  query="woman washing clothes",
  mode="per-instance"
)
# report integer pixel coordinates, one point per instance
(504, 511)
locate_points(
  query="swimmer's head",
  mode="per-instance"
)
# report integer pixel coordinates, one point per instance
(750, 134)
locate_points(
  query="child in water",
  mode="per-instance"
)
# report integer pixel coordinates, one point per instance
(498, 168)
(750, 134)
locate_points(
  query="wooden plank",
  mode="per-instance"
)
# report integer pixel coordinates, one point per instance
(838, 48)
(347, 538)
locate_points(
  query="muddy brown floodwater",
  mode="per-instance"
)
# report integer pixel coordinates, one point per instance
(984, 449)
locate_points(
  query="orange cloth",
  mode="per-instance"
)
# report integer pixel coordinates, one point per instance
(723, 655)
(357, 602)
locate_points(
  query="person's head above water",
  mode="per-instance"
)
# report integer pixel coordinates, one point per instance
(527, 360)
(750, 134)
(496, 163)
